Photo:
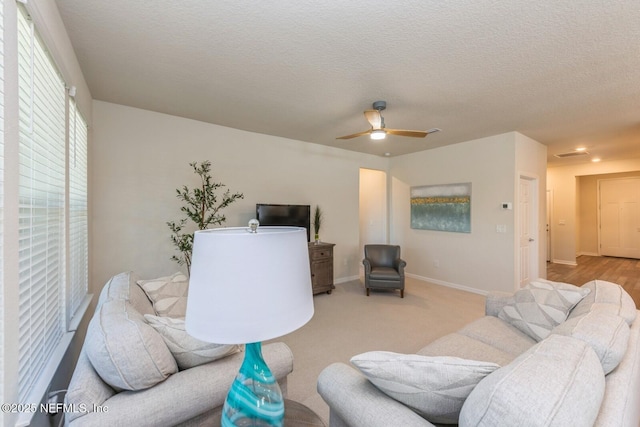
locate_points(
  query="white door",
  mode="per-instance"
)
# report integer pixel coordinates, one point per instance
(527, 231)
(620, 217)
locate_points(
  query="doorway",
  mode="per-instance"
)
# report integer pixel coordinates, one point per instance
(527, 230)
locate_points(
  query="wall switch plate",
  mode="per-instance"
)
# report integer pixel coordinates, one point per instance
(507, 205)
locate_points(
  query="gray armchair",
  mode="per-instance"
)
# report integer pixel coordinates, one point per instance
(383, 268)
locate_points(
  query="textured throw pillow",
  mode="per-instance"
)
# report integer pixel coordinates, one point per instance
(434, 387)
(607, 296)
(606, 333)
(540, 306)
(187, 350)
(125, 351)
(167, 294)
(556, 383)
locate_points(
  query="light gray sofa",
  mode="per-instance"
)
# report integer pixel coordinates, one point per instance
(150, 389)
(585, 372)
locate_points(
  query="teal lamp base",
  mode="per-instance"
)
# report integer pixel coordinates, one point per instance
(255, 399)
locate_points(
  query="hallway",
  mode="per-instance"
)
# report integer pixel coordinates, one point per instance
(623, 271)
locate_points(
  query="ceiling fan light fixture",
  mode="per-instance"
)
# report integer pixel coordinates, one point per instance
(378, 134)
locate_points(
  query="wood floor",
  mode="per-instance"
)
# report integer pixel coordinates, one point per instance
(623, 271)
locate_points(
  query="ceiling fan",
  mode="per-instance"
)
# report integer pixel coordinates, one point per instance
(378, 129)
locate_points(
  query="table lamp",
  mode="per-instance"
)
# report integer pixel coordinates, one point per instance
(248, 285)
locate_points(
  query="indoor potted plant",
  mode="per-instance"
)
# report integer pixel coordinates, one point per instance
(317, 223)
(202, 209)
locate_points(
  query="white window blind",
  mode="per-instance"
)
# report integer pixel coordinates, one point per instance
(78, 227)
(1, 200)
(41, 207)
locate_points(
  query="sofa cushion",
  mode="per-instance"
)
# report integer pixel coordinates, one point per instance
(620, 404)
(606, 296)
(434, 387)
(605, 332)
(187, 350)
(540, 306)
(457, 345)
(488, 339)
(86, 388)
(498, 334)
(384, 273)
(559, 382)
(168, 294)
(125, 351)
(117, 287)
(123, 286)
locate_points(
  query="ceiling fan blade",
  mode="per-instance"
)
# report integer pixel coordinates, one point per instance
(355, 135)
(374, 117)
(412, 133)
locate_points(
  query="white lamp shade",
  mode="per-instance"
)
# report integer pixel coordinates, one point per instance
(248, 287)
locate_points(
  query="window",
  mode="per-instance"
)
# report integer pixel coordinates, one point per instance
(78, 227)
(43, 210)
(1, 199)
(49, 211)
(42, 115)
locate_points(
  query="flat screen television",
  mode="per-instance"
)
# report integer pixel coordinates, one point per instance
(285, 215)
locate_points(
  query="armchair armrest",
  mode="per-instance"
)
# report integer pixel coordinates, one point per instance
(367, 265)
(400, 264)
(354, 401)
(495, 301)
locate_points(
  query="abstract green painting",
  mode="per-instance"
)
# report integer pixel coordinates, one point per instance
(445, 207)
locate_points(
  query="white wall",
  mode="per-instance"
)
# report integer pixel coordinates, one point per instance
(373, 207)
(565, 226)
(482, 260)
(141, 157)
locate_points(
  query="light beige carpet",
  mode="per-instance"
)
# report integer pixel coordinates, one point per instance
(347, 323)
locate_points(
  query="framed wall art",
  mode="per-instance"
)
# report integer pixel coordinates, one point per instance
(445, 207)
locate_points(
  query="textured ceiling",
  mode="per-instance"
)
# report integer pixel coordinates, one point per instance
(563, 73)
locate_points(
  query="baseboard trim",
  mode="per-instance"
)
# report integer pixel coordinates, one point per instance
(447, 284)
(565, 262)
(588, 254)
(345, 279)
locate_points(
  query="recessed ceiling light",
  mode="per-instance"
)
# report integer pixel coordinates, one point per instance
(581, 149)
(596, 159)
(387, 154)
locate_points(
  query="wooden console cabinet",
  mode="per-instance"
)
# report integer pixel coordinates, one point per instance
(321, 261)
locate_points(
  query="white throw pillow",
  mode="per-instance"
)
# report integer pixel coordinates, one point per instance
(168, 294)
(558, 382)
(125, 351)
(434, 387)
(606, 333)
(607, 296)
(541, 306)
(187, 350)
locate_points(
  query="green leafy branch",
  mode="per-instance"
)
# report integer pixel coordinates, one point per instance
(201, 207)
